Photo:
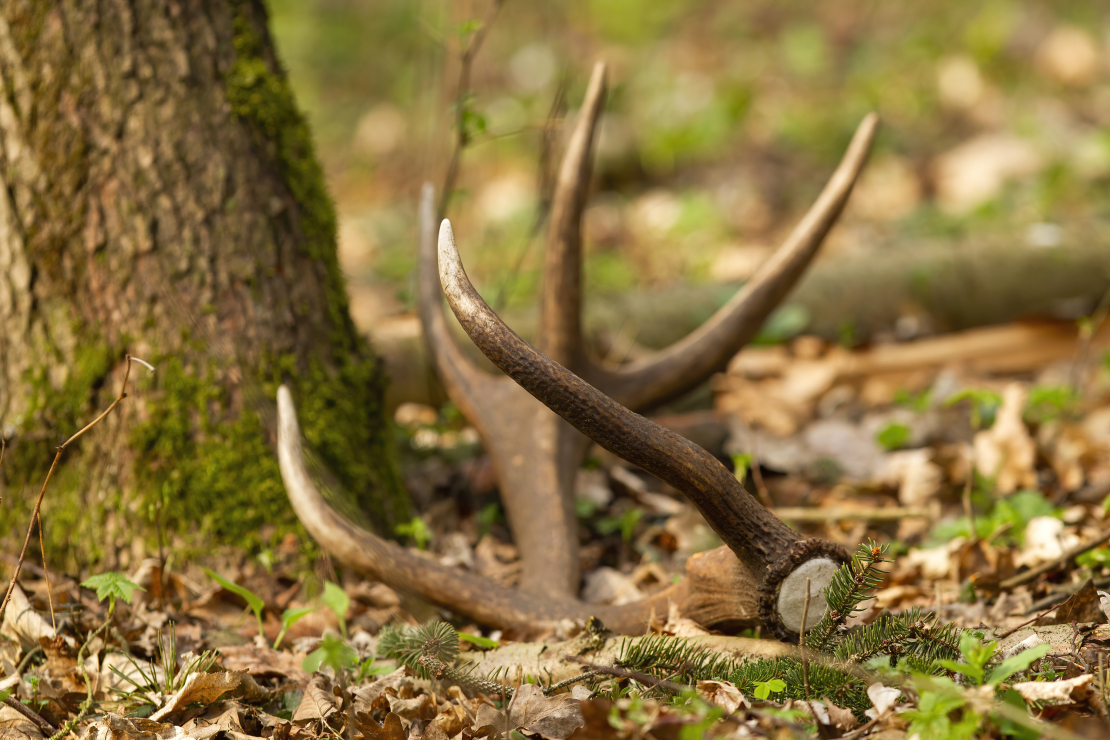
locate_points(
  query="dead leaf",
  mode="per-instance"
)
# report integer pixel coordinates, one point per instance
(1066, 691)
(264, 662)
(722, 694)
(205, 688)
(114, 727)
(390, 728)
(15, 726)
(553, 717)
(882, 698)
(607, 585)
(1006, 452)
(23, 623)
(318, 703)
(1083, 607)
(1045, 540)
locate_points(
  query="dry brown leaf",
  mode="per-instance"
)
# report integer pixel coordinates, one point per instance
(553, 717)
(1006, 452)
(1067, 691)
(23, 624)
(205, 688)
(318, 703)
(367, 729)
(264, 662)
(114, 727)
(15, 726)
(882, 698)
(722, 694)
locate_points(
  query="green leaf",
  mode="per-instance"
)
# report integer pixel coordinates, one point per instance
(336, 599)
(1017, 663)
(893, 437)
(776, 685)
(762, 690)
(417, 530)
(290, 617)
(256, 604)
(333, 653)
(483, 642)
(1098, 557)
(741, 464)
(112, 586)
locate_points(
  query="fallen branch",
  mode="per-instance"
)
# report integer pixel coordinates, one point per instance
(31, 715)
(1060, 562)
(872, 514)
(1007, 633)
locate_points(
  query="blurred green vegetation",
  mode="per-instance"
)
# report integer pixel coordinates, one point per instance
(723, 122)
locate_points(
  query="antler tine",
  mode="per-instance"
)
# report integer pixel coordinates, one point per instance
(671, 372)
(461, 376)
(762, 543)
(560, 330)
(469, 594)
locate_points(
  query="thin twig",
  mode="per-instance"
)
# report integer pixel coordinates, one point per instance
(1060, 562)
(462, 138)
(30, 714)
(46, 573)
(1007, 633)
(802, 647)
(832, 514)
(757, 477)
(57, 457)
(546, 184)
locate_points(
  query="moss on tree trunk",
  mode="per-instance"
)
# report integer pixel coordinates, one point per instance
(162, 197)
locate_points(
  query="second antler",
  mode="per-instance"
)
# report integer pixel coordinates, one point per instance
(764, 566)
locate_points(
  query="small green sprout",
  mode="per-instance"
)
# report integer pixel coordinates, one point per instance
(764, 689)
(256, 604)
(417, 530)
(336, 599)
(893, 436)
(111, 586)
(333, 653)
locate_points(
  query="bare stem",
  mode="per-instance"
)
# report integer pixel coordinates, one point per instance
(802, 645)
(38, 504)
(462, 137)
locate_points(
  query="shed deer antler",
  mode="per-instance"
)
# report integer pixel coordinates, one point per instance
(536, 452)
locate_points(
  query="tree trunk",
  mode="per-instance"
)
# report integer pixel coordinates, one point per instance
(161, 197)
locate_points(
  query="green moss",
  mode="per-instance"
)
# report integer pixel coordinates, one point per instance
(260, 95)
(210, 473)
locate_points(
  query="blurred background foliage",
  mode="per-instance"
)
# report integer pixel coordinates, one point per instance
(723, 122)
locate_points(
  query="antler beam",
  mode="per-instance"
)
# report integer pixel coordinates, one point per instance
(536, 452)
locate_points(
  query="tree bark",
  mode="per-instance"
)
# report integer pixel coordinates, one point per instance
(161, 197)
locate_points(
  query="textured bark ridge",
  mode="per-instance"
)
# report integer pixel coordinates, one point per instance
(161, 197)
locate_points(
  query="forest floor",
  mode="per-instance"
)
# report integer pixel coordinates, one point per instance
(980, 463)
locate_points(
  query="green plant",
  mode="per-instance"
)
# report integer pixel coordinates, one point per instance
(290, 617)
(417, 530)
(483, 642)
(893, 436)
(947, 710)
(255, 604)
(741, 464)
(764, 689)
(336, 599)
(332, 653)
(112, 586)
(919, 402)
(1004, 521)
(160, 677)
(625, 523)
(984, 405)
(1050, 402)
